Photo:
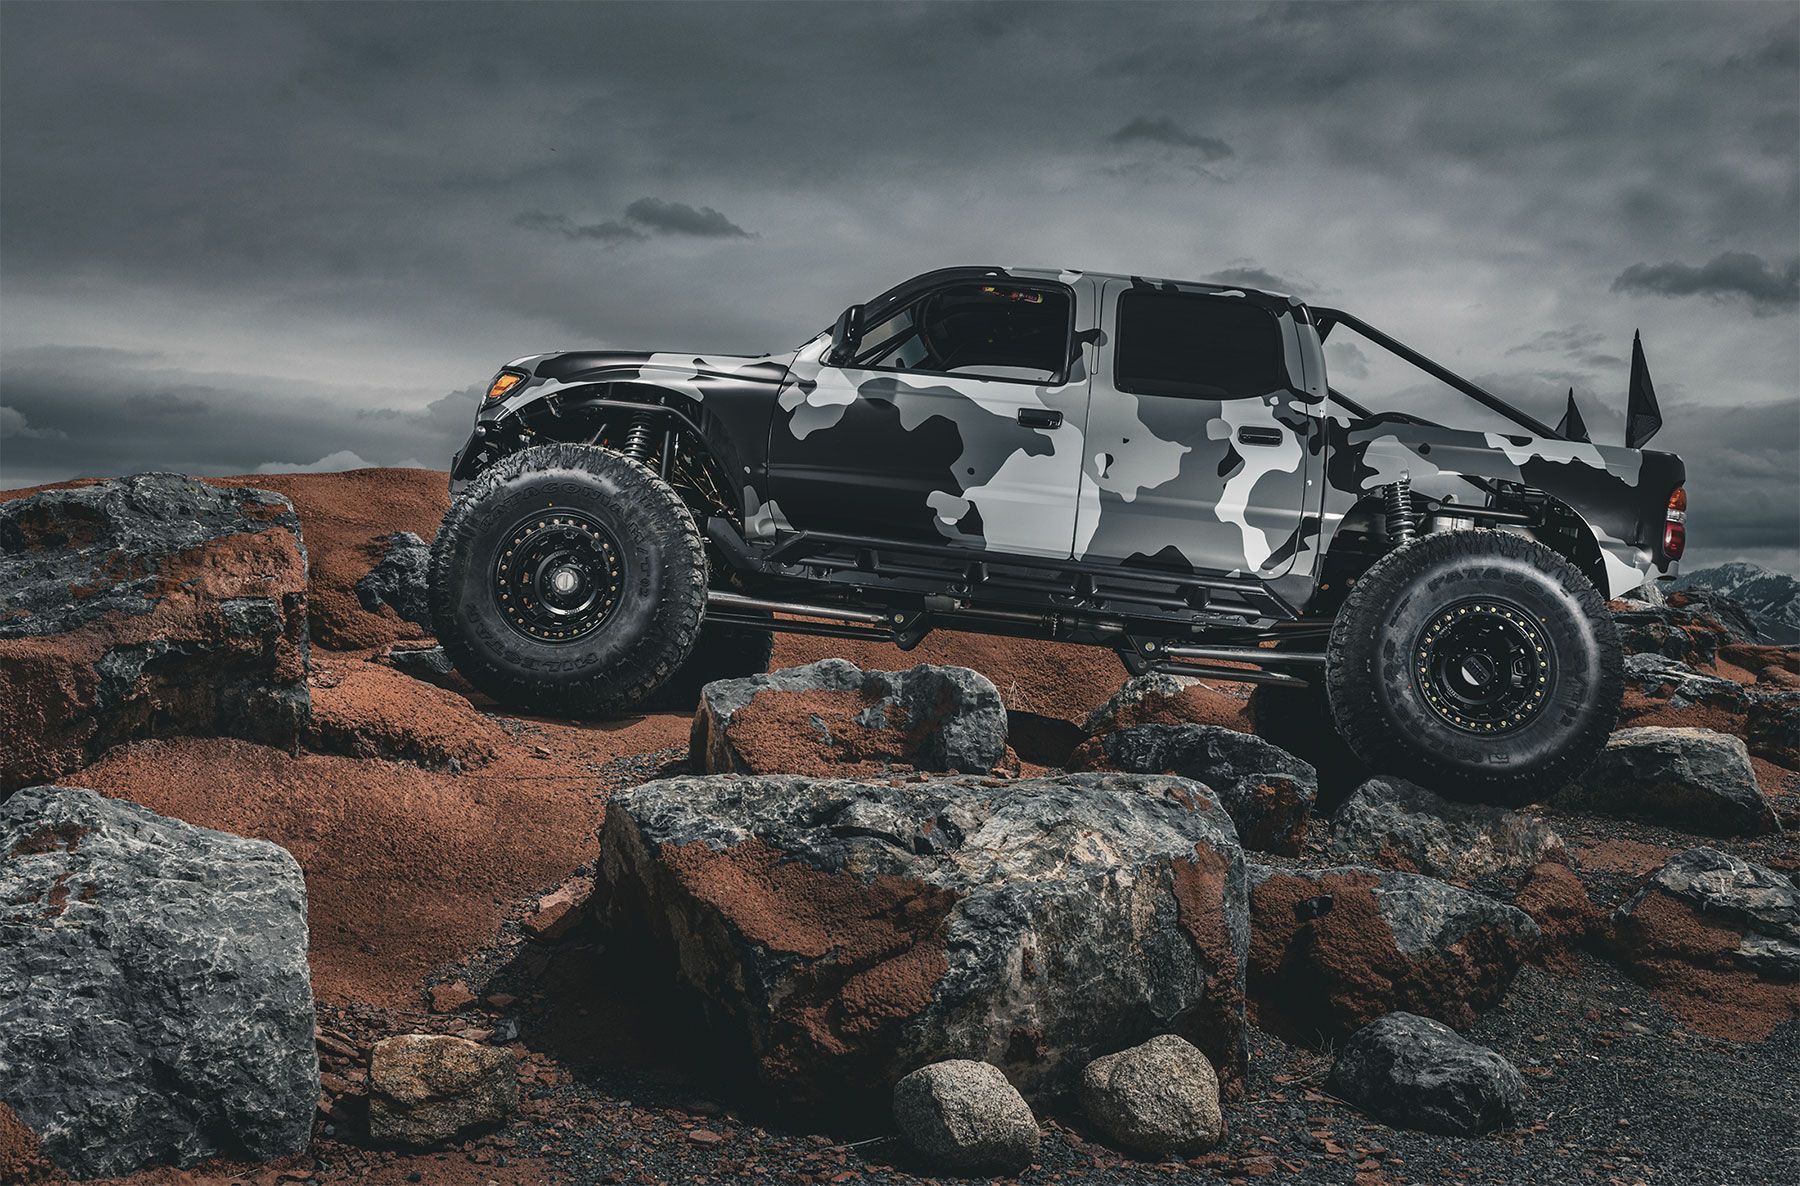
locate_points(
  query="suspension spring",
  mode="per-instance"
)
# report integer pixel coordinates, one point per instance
(1401, 527)
(639, 435)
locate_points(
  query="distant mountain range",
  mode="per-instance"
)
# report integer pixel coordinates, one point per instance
(1772, 599)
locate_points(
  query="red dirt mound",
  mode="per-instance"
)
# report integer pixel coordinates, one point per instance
(367, 710)
(343, 517)
(405, 868)
(21, 1158)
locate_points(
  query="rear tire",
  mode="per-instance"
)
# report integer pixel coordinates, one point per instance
(568, 580)
(1478, 663)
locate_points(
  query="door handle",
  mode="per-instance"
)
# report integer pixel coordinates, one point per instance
(1039, 417)
(1251, 435)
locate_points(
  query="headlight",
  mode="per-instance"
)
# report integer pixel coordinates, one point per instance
(504, 382)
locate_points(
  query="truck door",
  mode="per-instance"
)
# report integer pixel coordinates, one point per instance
(959, 421)
(1199, 448)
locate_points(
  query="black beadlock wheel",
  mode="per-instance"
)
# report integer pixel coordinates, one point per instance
(1478, 663)
(568, 580)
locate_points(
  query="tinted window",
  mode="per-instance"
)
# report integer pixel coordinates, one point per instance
(991, 331)
(1179, 343)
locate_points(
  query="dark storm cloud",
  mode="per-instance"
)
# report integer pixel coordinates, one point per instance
(1769, 288)
(561, 224)
(1251, 276)
(1164, 131)
(679, 218)
(307, 217)
(66, 414)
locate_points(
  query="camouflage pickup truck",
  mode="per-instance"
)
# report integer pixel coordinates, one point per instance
(1155, 466)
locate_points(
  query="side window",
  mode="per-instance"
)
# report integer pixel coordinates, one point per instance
(1185, 343)
(982, 331)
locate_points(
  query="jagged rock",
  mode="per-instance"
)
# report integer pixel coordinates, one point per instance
(155, 1001)
(965, 1117)
(838, 933)
(1333, 949)
(426, 664)
(1155, 1099)
(1161, 699)
(1567, 918)
(1772, 727)
(426, 1088)
(1413, 1072)
(1695, 779)
(1679, 684)
(1395, 824)
(1268, 792)
(400, 580)
(147, 606)
(831, 716)
(1710, 908)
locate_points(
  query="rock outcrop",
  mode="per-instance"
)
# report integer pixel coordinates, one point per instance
(155, 1000)
(1413, 1072)
(400, 579)
(840, 933)
(1155, 1099)
(832, 717)
(1698, 780)
(425, 1089)
(147, 606)
(1268, 792)
(1719, 933)
(966, 1118)
(1160, 699)
(1398, 825)
(1333, 949)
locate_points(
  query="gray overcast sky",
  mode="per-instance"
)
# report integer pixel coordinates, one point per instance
(242, 235)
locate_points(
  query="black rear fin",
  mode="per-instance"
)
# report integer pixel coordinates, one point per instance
(1572, 427)
(1643, 419)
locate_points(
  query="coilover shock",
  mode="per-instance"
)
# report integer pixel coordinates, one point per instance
(640, 438)
(1401, 528)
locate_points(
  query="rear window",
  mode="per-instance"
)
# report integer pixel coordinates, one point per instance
(1193, 344)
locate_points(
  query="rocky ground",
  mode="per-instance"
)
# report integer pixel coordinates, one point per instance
(449, 851)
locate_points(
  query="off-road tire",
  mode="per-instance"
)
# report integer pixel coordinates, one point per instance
(1381, 694)
(721, 652)
(655, 614)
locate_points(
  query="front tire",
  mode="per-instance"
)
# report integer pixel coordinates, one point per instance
(568, 580)
(1478, 663)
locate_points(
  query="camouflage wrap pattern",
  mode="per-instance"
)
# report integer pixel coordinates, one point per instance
(1249, 487)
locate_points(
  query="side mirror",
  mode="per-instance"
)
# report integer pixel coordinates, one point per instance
(846, 336)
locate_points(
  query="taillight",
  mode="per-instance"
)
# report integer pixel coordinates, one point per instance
(1675, 526)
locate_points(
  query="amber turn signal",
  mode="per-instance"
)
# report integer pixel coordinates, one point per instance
(504, 382)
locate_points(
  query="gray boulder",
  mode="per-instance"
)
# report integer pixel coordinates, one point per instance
(1693, 779)
(1398, 825)
(1268, 792)
(400, 580)
(155, 1001)
(1708, 908)
(965, 1117)
(426, 664)
(832, 715)
(1333, 949)
(146, 607)
(1413, 1072)
(425, 1089)
(1155, 1099)
(839, 933)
